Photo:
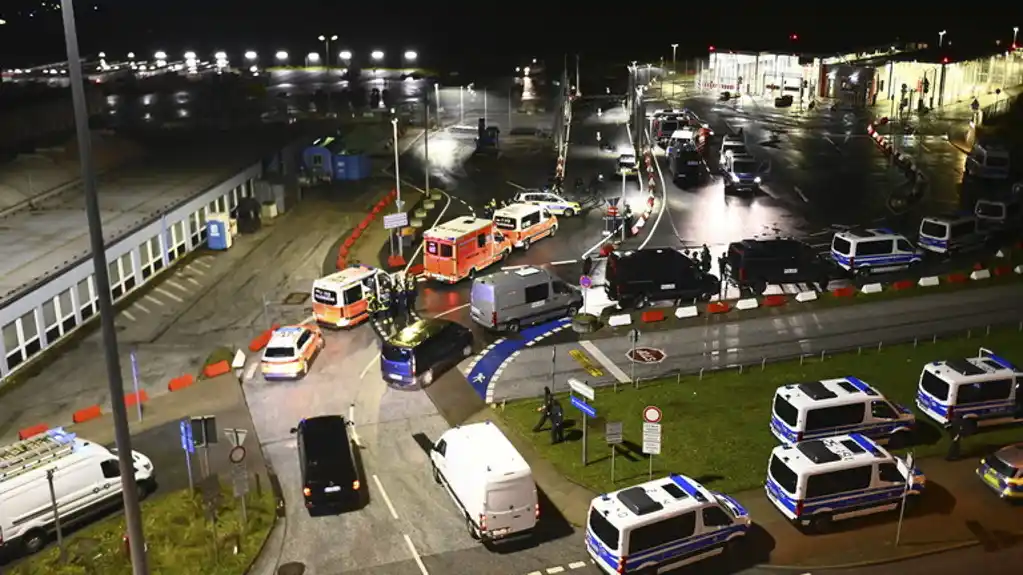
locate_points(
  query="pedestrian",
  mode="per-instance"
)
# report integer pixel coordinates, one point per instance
(545, 409)
(410, 296)
(557, 422)
(722, 263)
(705, 259)
(956, 433)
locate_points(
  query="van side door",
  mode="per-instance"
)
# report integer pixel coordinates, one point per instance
(536, 297)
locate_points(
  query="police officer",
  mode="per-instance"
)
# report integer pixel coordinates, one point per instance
(372, 304)
(705, 259)
(398, 295)
(545, 409)
(410, 296)
(722, 262)
(956, 433)
(557, 422)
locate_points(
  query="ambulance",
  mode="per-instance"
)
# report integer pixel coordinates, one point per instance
(462, 248)
(341, 299)
(524, 224)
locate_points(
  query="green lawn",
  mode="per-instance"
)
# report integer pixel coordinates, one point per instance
(716, 430)
(179, 538)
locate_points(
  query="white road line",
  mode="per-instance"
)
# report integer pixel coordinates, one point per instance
(251, 371)
(604, 361)
(415, 555)
(142, 307)
(518, 267)
(553, 570)
(514, 185)
(564, 262)
(154, 300)
(535, 573)
(387, 500)
(371, 363)
(577, 565)
(195, 271)
(175, 284)
(801, 194)
(128, 315)
(203, 264)
(194, 282)
(169, 294)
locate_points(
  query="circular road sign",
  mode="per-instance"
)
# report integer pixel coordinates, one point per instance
(652, 414)
(646, 355)
(585, 282)
(237, 454)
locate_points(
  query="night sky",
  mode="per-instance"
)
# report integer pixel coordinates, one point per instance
(471, 35)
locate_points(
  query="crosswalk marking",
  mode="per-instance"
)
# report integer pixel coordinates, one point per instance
(175, 284)
(194, 282)
(169, 294)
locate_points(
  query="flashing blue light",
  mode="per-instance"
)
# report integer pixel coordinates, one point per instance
(886, 231)
(859, 384)
(1001, 361)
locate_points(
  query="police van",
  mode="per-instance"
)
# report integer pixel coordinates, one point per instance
(816, 482)
(982, 390)
(661, 525)
(837, 406)
(873, 250)
(951, 234)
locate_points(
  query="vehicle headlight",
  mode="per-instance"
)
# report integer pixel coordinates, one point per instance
(734, 177)
(756, 180)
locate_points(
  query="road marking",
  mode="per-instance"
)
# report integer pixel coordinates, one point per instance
(128, 315)
(801, 194)
(563, 262)
(195, 271)
(553, 570)
(203, 264)
(387, 500)
(415, 555)
(169, 294)
(664, 199)
(173, 283)
(518, 267)
(604, 360)
(371, 363)
(194, 282)
(832, 142)
(251, 371)
(577, 565)
(153, 299)
(514, 185)
(141, 307)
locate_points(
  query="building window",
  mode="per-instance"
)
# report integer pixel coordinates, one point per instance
(128, 272)
(50, 321)
(30, 334)
(66, 312)
(87, 297)
(179, 247)
(193, 228)
(114, 275)
(156, 247)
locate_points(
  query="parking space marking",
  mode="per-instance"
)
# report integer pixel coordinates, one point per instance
(577, 565)
(154, 300)
(195, 271)
(387, 500)
(415, 555)
(604, 361)
(175, 284)
(554, 570)
(142, 307)
(197, 284)
(251, 371)
(203, 264)
(563, 262)
(128, 315)
(169, 294)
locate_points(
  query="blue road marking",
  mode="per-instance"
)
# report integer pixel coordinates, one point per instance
(484, 370)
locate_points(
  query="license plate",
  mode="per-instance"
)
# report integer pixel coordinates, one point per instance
(791, 270)
(394, 376)
(334, 489)
(499, 532)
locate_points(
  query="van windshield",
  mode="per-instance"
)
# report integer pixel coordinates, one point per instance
(785, 410)
(392, 352)
(783, 475)
(990, 210)
(603, 530)
(505, 223)
(934, 385)
(439, 250)
(933, 229)
(841, 245)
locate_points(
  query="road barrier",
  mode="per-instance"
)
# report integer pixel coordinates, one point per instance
(719, 307)
(181, 382)
(33, 431)
(652, 316)
(687, 312)
(619, 320)
(929, 281)
(260, 341)
(349, 243)
(847, 291)
(776, 300)
(87, 414)
(214, 369)
(902, 285)
(806, 296)
(872, 288)
(956, 278)
(133, 399)
(747, 303)
(983, 274)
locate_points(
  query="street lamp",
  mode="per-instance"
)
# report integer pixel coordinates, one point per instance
(220, 55)
(251, 55)
(160, 55)
(1015, 31)
(941, 37)
(131, 55)
(674, 69)
(377, 55)
(410, 56)
(312, 58)
(281, 56)
(326, 45)
(190, 56)
(397, 180)
(346, 55)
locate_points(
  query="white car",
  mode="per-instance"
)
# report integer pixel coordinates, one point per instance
(554, 203)
(627, 165)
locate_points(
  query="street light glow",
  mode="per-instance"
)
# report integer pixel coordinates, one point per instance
(188, 55)
(346, 54)
(131, 55)
(281, 55)
(102, 54)
(160, 55)
(377, 55)
(323, 38)
(313, 57)
(411, 55)
(251, 55)
(220, 55)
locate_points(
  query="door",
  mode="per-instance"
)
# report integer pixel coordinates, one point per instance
(511, 506)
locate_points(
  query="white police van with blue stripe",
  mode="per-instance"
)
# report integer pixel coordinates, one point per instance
(831, 407)
(873, 251)
(661, 525)
(816, 482)
(982, 390)
(947, 235)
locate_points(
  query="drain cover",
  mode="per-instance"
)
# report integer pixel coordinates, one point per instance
(293, 568)
(296, 298)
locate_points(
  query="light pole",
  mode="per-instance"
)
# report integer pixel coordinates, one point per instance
(461, 104)
(1015, 31)
(674, 69)
(311, 58)
(426, 138)
(941, 37)
(397, 180)
(436, 98)
(132, 511)
(326, 50)
(486, 116)
(510, 107)
(377, 56)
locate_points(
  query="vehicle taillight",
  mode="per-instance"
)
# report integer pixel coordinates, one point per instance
(483, 522)
(493, 318)
(307, 492)
(536, 511)
(356, 485)
(621, 564)
(799, 508)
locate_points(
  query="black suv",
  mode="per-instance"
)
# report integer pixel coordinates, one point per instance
(752, 264)
(327, 462)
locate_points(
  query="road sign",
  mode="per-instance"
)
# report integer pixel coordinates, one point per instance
(237, 454)
(613, 432)
(585, 282)
(652, 438)
(204, 430)
(582, 406)
(239, 480)
(581, 388)
(634, 335)
(652, 414)
(398, 220)
(236, 435)
(186, 436)
(646, 355)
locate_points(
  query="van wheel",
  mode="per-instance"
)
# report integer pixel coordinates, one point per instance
(898, 440)
(428, 377)
(820, 523)
(467, 351)
(554, 231)
(513, 326)
(34, 541)
(569, 213)
(525, 244)
(573, 310)
(473, 532)
(472, 273)
(143, 488)
(436, 474)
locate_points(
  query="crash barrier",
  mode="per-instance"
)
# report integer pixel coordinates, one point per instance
(652, 316)
(648, 211)
(619, 320)
(214, 369)
(181, 382)
(33, 431)
(133, 399)
(349, 243)
(902, 160)
(260, 341)
(87, 414)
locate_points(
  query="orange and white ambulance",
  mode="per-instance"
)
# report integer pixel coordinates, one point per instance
(341, 299)
(462, 248)
(524, 224)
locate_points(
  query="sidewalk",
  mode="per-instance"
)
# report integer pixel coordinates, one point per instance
(957, 510)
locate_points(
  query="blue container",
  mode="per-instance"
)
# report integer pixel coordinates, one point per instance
(217, 235)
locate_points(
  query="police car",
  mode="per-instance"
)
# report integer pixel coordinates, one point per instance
(627, 165)
(291, 351)
(554, 203)
(741, 173)
(830, 407)
(983, 390)
(864, 251)
(816, 482)
(1002, 471)
(661, 525)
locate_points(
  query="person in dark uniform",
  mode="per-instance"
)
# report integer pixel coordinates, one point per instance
(705, 259)
(722, 263)
(545, 409)
(410, 296)
(956, 434)
(557, 422)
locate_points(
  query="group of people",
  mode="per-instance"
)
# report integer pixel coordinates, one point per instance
(398, 294)
(704, 259)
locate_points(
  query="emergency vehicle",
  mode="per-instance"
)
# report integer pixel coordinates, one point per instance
(341, 299)
(462, 248)
(554, 203)
(524, 224)
(665, 126)
(290, 352)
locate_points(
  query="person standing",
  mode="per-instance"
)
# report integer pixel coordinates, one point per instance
(705, 259)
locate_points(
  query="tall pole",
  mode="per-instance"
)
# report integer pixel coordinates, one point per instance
(674, 69)
(426, 139)
(578, 86)
(397, 179)
(510, 108)
(330, 82)
(132, 511)
(461, 104)
(621, 208)
(486, 116)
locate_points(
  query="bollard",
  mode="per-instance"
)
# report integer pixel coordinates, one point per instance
(801, 356)
(934, 338)
(678, 377)
(987, 332)
(822, 355)
(914, 342)
(701, 374)
(969, 333)
(763, 363)
(879, 345)
(740, 369)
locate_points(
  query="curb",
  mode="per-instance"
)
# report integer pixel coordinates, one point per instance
(871, 562)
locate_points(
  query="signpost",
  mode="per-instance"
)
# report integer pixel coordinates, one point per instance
(651, 434)
(394, 221)
(613, 436)
(633, 339)
(905, 494)
(585, 282)
(586, 409)
(239, 474)
(135, 381)
(204, 432)
(188, 446)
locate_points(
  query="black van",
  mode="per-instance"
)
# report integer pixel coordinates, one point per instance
(637, 278)
(326, 459)
(752, 264)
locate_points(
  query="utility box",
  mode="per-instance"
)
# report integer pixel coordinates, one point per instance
(218, 231)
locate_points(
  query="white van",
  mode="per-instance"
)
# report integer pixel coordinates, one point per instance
(951, 234)
(988, 161)
(831, 407)
(873, 250)
(661, 525)
(819, 481)
(982, 390)
(488, 480)
(510, 299)
(86, 480)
